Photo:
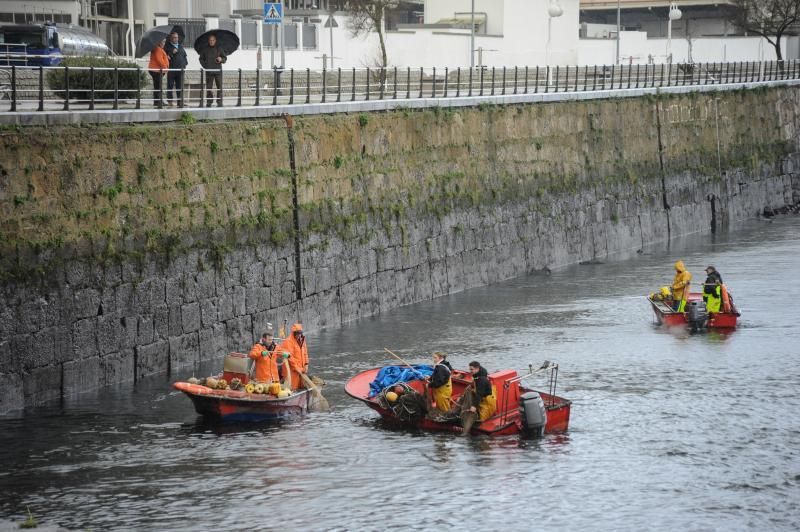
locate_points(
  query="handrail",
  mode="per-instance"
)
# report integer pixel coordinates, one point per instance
(46, 88)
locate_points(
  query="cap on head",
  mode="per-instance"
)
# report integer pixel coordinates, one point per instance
(268, 331)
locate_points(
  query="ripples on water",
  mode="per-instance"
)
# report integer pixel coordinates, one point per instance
(668, 429)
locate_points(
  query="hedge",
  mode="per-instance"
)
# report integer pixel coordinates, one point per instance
(80, 82)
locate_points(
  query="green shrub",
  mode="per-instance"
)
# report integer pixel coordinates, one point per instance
(80, 83)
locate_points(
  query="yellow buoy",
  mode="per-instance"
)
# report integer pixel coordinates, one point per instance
(274, 388)
(211, 382)
(250, 388)
(284, 394)
(391, 397)
(259, 388)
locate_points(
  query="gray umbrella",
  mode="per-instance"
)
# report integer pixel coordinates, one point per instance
(151, 38)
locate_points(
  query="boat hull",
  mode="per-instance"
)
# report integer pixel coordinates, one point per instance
(506, 421)
(665, 315)
(240, 406)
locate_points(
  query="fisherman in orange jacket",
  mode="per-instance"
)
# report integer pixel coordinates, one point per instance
(297, 347)
(265, 357)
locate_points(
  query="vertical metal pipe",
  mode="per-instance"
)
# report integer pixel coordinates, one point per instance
(13, 88)
(421, 75)
(182, 95)
(66, 88)
(367, 83)
(41, 89)
(339, 84)
(258, 88)
(324, 85)
(458, 82)
(91, 88)
(446, 80)
(408, 83)
(239, 93)
(433, 89)
(354, 85)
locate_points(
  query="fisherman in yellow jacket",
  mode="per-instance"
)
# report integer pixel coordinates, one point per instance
(440, 383)
(680, 286)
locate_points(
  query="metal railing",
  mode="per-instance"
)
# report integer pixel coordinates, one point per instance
(41, 89)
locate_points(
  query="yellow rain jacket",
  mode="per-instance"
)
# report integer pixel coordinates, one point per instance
(680, 284)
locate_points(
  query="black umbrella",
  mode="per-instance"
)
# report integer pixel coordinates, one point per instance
(227, 41)
(151, 38)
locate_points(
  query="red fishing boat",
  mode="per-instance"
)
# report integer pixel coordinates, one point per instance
(520, 410)
(240, 405)
(695, 316)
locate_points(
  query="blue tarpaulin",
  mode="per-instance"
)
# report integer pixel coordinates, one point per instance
(393, 374)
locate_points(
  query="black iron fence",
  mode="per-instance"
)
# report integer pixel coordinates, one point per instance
(39, 89)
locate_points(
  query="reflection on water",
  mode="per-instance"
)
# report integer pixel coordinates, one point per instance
(668, 429)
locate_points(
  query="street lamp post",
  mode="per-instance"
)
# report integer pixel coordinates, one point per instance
(472, 37)
(553, 11)
(674, 14)
(619, 28)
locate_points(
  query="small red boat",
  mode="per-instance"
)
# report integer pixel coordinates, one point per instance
(509, 419)
(239, 405)
(695, 316)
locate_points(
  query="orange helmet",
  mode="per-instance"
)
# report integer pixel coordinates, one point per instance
(297, 327)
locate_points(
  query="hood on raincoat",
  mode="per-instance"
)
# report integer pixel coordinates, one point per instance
(680, 266)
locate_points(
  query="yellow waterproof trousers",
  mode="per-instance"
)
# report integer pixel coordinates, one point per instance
(488, 405)
(441, 396)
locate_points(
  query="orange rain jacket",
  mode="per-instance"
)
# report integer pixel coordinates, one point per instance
(680, 284)
(298, 356)
(158, 60)
(266, 365)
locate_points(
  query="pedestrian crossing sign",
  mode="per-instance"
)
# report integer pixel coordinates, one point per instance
(273, 13)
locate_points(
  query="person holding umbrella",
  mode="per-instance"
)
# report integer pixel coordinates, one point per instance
(211, 59)
(177, 62)
(159, 62)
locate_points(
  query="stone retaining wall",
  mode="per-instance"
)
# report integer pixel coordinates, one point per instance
(134, 250)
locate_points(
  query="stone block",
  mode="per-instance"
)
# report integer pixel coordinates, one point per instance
(84, 338)
(190, 317)
(129, 332)
(41, 385)
(254, 275)
(175, 322)
(145, 329)
(206, 284)
(239, 332)
(85, 303)
(81, 375)
(208, 312)
(239, 301)
(109, 332)
(12, 396)
(183, 351)
(126, 302)
(152, 358)
(258, 299)
(161, 321)
(116, 367)
(225, 307)
(212, 342)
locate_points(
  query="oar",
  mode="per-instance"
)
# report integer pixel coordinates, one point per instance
(320, 403)
(424, 377)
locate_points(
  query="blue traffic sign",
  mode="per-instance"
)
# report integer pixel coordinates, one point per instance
(273, 13)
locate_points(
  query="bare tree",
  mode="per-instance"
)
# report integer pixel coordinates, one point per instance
(768, 18)
(367, 16)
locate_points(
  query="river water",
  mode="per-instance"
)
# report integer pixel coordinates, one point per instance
(668, 430)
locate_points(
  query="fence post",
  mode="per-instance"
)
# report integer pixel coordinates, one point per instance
(516, 78)
(383, 83)
(481, 86)
(275, 81)
(354, 85)
(433, 89)
(555, 89)
(239, 94)
(324, 85)
(138, 88)
(115, 94)
(408, 83)
(308, 84)
(536, 81)
(526, 79)
(91, 88)
(458, 82)
(339, 84)
(493, 69)
(546, 79)
(421, 75)
(291, 86)
(503, 91)
(13, 88)
(66, 88)
(368, 83)
(182, 92)
(258, 88)
(41, 88)
(394, 83)
(469, 93)
(446, 80)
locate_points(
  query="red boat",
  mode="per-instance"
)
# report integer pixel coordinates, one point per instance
(695, 316)
(508, 420)
(239, 405)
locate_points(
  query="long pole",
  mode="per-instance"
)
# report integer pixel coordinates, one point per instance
(331, 32)
(283, 40)
(472, 37)
(619, 28)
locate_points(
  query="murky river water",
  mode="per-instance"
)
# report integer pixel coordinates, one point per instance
(668, 430)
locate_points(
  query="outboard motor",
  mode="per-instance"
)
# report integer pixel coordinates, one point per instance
(696, 315)
(533, 413)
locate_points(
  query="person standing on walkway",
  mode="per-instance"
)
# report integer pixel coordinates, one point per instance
(177, 62)
(159, 63)
(211, 59)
